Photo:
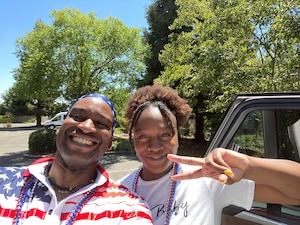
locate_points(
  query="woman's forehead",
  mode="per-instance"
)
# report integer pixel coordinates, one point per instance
(154, 113)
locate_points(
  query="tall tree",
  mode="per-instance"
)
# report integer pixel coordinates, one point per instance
(160, 15)
(75, 55)
(14, 105)
(235, 46)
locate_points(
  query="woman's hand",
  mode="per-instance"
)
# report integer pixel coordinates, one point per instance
(221, 164)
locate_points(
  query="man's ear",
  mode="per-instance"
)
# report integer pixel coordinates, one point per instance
(110, 144)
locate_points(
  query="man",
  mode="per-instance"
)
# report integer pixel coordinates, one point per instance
(72, 188)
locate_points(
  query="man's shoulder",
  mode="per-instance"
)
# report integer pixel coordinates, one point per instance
(117, 192)
(128, 179)
(10, 179)
(11, 172)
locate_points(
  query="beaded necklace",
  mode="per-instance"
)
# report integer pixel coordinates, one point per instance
(22, 198)
(61, 189)
(171, 191)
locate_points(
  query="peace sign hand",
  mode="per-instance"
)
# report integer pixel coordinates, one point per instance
(221, 164)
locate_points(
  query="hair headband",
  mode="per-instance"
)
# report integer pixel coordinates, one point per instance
(103, 98)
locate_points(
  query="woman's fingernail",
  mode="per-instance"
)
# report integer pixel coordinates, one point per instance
(223, 182)
(228, 173)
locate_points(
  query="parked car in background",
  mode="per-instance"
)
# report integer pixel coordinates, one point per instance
(261, 125)
(56, 121)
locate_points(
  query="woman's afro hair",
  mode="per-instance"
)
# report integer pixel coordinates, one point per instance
(159, 93)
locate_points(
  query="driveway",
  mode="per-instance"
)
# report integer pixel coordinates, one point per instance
(14, 149)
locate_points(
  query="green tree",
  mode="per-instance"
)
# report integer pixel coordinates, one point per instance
(160, 15)
(14, 105)
(75, 55)
(3, 109)
(235, 46)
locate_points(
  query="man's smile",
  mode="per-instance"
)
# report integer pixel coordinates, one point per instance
(83, 141)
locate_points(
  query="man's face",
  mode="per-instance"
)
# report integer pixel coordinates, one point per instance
(85, 135)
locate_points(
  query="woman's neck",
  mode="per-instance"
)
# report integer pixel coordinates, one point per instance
(147, 175)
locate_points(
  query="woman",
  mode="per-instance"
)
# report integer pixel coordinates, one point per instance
(155, 113)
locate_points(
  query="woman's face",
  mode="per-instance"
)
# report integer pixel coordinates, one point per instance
(153, 140)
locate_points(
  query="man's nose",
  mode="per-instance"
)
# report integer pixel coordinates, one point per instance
(87, 126)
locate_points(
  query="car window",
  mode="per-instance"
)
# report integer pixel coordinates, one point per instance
(56, 118)
(250, 136)
(289, 134)
(271, 134)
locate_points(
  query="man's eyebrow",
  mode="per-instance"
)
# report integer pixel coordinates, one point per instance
(77, 109)
(105, 117)
(83, 110)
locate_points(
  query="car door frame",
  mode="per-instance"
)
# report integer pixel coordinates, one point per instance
(232, 120)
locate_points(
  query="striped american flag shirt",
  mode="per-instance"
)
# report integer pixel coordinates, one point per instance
(110, 204)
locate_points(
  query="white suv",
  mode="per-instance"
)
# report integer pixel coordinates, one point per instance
(56, 121)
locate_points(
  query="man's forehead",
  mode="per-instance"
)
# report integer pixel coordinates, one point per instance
(90, 100)
(91, 105)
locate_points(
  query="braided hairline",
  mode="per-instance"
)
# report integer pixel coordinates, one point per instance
(165, 111)
(135, 117)
(165, 94)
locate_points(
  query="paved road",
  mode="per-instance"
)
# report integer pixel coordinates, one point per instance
(14, 149)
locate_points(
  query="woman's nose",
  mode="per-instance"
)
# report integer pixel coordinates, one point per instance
(155, 145)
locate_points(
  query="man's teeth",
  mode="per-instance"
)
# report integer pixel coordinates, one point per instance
(83, 141)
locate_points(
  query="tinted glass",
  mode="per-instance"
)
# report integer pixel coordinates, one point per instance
(250, 139)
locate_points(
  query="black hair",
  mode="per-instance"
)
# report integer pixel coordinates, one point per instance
(164, 98)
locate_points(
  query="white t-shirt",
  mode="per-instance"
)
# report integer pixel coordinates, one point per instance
(197, 201)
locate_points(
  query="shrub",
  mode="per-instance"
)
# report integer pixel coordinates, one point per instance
(123, 124)
(121, 145)
(42, 142)
(7, 119)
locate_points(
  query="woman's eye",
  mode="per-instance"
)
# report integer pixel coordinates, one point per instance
(142, 136)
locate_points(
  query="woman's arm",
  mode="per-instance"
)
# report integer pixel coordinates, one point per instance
(277, 180)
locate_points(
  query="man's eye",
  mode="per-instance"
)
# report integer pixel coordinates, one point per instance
(77, 117)
(102, 125)
(166, 135)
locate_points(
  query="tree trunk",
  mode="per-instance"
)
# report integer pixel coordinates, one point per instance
(199, 129)
(38, 119)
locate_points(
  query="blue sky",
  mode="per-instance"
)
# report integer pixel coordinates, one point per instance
(17, 17)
